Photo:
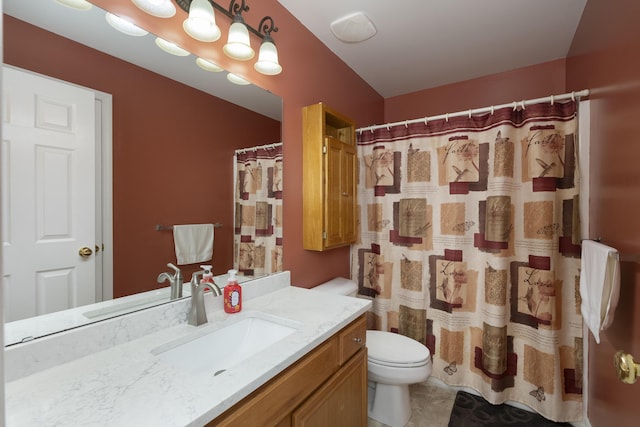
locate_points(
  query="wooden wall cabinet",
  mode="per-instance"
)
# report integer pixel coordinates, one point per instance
(327, 387)
(329, 178)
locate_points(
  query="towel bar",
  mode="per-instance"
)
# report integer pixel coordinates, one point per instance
(160, 227)
(621, 257)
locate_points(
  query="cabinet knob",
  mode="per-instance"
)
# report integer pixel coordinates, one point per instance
(345, 194)
(357, 340)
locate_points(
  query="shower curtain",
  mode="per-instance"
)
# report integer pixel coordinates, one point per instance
(258, 210)
(469, 243)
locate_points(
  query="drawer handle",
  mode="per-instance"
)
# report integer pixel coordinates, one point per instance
(357, 340)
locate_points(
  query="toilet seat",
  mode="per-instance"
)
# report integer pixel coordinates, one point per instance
(390, 349)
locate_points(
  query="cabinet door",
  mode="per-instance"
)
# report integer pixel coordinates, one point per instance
(348, 184)
(341, 401)
(333, 193)
(340, 189)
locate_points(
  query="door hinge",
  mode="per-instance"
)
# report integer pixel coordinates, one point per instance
(324, 149)
(324, 235)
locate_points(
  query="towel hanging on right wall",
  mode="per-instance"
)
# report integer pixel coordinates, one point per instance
(599, 285)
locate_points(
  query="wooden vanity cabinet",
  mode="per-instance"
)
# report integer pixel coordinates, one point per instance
(327, 387)
(339, 402)
(329, 178)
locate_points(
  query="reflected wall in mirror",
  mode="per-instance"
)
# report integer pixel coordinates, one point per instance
(172, 142)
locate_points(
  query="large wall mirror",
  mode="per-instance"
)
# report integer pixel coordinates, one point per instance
(174, 130)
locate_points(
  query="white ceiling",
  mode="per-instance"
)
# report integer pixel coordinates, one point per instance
(427, 43)
(419, 43)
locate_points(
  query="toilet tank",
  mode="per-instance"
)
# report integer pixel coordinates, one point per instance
(340, 286)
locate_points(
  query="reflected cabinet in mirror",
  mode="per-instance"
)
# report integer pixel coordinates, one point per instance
(168, 129)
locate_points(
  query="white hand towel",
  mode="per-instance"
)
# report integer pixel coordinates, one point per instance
(599, 285)
(193, 242)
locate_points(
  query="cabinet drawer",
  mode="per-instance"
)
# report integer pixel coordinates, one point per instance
(351, 339)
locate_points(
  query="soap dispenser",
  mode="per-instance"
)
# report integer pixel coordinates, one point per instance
(207, 276)
(232, 294)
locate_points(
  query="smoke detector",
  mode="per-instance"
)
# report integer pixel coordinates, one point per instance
(353, 28)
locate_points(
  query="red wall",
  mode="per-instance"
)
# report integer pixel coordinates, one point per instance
(311, 73)
(167, 139)
(604, 58)
(524, 83)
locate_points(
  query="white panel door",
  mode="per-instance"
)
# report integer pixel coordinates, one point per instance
(48, 187)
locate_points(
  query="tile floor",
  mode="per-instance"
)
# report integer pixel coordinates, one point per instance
(431, 404)
(435, 413)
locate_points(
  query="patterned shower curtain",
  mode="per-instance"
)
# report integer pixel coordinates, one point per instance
(258, 210)
(469, 243)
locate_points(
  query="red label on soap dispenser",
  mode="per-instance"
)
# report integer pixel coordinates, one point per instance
(232, 298)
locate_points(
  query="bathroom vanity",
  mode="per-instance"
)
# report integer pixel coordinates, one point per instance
(118, 373)
(327, 387)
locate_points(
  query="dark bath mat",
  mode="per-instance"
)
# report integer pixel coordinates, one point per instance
(473, 411)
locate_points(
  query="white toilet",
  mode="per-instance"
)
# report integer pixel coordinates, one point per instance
(394, 362)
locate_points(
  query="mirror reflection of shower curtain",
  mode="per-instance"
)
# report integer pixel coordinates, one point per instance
(258, 210)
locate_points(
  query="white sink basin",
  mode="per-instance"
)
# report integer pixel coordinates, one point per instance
(217, 351)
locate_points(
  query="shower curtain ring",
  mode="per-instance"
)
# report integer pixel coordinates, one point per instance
(515, 105)
(551, 99)
(573, 96)
(446, 117)
(492, 110)
(469, 112)
(406, 124)
(523, 107)
(426, 121)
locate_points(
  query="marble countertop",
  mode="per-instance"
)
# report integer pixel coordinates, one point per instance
(33, 327)
(127, 385)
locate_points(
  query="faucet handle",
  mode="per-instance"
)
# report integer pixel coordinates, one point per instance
(170, 265)
(194, 277)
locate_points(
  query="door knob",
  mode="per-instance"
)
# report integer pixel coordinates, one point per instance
(628, 370)
(85, 252)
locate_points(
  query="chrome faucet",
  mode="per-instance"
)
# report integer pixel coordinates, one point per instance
(197, 312)
(175, 281)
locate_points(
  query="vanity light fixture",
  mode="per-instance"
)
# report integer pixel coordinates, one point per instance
(125, 26)
(207, 65)
(238, 46)
(76, 4)
(235, 79)
(268, 55)
(159, 8)
(171, 48)
(201, 22)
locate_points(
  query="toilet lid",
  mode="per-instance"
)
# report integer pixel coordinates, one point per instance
(388, 348)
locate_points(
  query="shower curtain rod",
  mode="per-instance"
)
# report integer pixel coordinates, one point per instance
(244, 150)
(515, 104)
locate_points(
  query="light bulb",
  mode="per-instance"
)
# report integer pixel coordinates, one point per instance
(237, 80)
(201, 23)
(208, 65)
(268, 58)
(171, 48)
(76, 4)
(238, 44)
(159, 8)
(125, 26)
